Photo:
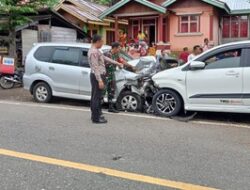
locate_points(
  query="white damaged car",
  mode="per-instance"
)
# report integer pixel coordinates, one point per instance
(217, 80)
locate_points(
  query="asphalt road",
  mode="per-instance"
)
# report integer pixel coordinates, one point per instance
(21, 95)
(185, 154)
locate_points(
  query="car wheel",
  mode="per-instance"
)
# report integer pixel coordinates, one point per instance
(167, 103)
(42, 92)
(129, 101)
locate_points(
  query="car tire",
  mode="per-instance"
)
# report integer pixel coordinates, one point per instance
(42, 92)
(167, 108)
(129, 101)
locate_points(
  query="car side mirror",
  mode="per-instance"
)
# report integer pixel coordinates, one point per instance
(196, 65)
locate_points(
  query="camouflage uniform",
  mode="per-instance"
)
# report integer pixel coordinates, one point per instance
(110, 77)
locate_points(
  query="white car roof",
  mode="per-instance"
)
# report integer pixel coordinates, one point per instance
(70, 44)
(234, 43)
(247, 42)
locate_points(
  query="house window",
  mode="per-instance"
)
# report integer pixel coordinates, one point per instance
(235, 27)
(110, 37)
(189, 24)
(44, 36)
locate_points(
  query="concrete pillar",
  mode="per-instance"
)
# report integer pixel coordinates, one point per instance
(116, 29)
(160, 28)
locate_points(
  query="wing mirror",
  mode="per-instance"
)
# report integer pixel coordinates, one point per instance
(196, 65)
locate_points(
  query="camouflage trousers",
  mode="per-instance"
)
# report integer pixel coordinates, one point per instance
(110, 85)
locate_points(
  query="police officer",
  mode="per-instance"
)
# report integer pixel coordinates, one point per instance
(110, 78)
(97, 77)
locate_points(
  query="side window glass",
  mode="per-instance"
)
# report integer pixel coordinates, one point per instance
(223, 60)
(44, 53)
(66, 56)
(84, 62)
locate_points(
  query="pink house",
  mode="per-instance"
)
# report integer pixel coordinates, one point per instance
(184, 23)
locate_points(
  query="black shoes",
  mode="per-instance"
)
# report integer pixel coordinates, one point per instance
(102, 120)
(112, 109)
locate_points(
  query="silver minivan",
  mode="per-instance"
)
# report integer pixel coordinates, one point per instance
(62, 70)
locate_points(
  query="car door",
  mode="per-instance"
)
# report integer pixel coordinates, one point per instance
(219, 84)
(246, 78)
(85, 85)
(64, 70)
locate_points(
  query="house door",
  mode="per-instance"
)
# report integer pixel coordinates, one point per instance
(151, 34)
(149, 28)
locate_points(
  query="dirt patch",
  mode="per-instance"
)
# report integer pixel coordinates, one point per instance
(21, 95)
(15, 94)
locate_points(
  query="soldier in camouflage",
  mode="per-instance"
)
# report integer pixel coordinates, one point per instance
(110, 75)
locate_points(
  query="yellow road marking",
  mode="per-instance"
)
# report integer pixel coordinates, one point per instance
(107, 171)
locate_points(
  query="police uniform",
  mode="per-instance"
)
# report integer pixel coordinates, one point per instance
(98, 72)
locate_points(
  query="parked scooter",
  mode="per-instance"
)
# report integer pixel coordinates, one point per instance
(8, 81)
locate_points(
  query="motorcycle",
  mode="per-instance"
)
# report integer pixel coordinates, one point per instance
(8, 81)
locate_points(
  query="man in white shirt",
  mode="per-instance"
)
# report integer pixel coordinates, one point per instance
(196, 51)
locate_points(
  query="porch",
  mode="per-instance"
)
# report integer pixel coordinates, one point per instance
(144, 16)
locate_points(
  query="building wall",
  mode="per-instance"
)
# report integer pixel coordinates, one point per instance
(61, 34)
(134, 8)
(29, 37)
(179, 41)
(216, 27)
(158, 2)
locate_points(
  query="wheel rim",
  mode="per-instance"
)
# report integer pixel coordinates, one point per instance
(166, 103)
(129, 103)
(41, 93)
(5, 83)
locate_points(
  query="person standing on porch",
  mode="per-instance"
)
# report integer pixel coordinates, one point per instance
(141, 36)
(206, 46)
(98, 78)
(123, 39)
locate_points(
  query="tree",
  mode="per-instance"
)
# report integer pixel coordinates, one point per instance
(106, 2)
(15, 13)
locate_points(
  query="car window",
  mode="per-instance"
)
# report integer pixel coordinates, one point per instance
(84, 59)
(44, 53)
(223, 60)
(66, 56)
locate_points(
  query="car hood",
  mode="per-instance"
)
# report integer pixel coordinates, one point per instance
(134, 62)
(123, 74)
(145, 66)
(167, 73)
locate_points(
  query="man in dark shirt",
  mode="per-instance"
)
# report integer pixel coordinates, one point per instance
(98, 77)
